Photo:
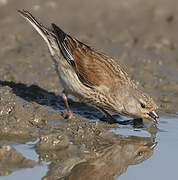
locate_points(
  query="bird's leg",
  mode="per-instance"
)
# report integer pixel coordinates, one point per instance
(69, 113)
(110, 119)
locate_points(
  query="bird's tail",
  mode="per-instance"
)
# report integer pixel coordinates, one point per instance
(46, 34)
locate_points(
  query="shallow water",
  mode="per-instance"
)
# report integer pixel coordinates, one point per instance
(35, 173)
(161, 165)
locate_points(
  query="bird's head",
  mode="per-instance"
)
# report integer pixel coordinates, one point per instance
(139, 105)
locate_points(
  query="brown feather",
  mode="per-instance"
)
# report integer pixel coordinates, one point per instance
(94, 68)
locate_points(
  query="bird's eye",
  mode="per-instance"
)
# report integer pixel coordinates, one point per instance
(142, 105)
(140, 153)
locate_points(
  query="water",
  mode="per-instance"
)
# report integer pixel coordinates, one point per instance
(27, 174)
(30, 173)
(162, 165)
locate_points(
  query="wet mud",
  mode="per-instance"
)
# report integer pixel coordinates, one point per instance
(141, 34)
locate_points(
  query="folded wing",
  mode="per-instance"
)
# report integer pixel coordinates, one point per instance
(92, 67)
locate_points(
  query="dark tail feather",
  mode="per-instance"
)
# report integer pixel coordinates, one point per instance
(61, 38)
(59, 32)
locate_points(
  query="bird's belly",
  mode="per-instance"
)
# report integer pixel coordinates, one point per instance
(70, 81)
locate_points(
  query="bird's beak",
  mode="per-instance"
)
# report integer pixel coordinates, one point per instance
(152, 145)
(153, 115)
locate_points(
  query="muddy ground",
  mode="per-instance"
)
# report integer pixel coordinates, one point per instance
(142, 34)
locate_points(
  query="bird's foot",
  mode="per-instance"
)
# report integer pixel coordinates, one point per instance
(67, 115)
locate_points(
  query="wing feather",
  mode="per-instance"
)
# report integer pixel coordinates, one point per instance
(92, 67)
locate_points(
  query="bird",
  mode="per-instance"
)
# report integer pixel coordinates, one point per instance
(92, 76)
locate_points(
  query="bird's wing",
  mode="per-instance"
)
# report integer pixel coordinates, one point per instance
(92, 67)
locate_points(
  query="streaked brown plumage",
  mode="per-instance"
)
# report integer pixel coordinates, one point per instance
(92, 76)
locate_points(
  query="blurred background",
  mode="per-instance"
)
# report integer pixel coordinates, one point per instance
(141, 34)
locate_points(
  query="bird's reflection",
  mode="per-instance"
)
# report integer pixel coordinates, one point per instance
(111, 158)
